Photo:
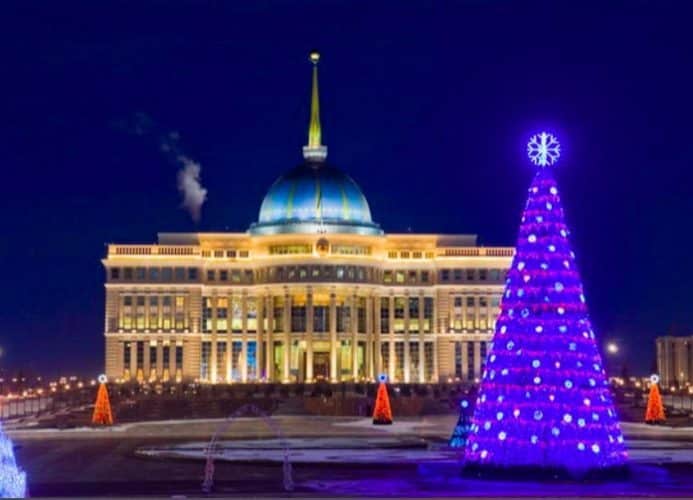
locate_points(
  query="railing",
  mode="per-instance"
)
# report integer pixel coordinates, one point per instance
(678, 401)
(476, 252)
(23, 407)
(136, 250)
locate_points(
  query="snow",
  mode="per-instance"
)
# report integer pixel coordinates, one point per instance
(397, 427)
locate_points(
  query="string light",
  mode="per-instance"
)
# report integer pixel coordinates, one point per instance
(548, 352)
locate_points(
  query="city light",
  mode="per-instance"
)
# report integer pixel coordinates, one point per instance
(612, 348)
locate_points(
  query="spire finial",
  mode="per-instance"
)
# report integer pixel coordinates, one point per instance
(315, 151)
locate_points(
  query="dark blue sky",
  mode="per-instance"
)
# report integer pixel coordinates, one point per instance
(427, 105)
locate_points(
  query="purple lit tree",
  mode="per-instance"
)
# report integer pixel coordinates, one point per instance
(12, 479)
(544, 404)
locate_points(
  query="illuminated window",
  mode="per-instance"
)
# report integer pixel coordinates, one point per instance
(251, 314)
(413, 314)
(205, 359)
(412, 276)
(428, 314)
(384, 315)
(387, 277)
(180, 301)
(399, 314)
(399, 276)
(236, 315)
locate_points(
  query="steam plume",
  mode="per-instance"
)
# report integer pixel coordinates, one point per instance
(194, 194)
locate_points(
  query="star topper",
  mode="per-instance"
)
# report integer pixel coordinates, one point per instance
(543, 149)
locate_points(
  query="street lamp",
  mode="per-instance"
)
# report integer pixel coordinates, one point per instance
(612, 348)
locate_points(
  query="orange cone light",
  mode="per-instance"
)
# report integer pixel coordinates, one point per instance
(655, 409)
(382, 413)
(102, 409)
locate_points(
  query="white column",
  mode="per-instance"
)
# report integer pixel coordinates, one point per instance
(287, 338)
(213, 355)
(377, 358)
(477, 359)
(260, 307)
(309, 335)
(333, 337)
(269, 354)
(422, 351)
(243, 361)
(369, 337)
(407, 353)
(353, 313)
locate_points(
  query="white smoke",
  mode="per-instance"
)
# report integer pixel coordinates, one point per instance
(194, 195)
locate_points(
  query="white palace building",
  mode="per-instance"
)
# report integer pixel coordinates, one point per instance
(314, 290)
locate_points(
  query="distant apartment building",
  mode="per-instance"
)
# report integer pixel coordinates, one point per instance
(675, 360)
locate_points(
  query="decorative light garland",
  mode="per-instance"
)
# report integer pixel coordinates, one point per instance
(12, 479)
(544, 401)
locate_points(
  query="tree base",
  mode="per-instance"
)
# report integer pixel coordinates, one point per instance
(531, 473)
(654, 422)
(382, 422)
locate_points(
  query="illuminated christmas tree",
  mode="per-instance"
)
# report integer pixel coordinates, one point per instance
(655, 409)
(460, 434)
(544, 404)
(12, 479)
(382, 413)
(102, 408)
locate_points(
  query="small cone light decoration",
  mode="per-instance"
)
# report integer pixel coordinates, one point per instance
(102, 409)
(655, 409)
(382, 413)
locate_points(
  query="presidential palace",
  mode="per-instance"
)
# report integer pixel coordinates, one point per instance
(314, 290)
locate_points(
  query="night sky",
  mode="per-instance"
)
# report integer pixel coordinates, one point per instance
(427, 105)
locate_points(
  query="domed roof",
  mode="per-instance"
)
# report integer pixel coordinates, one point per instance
(315, 194)
(315, 197)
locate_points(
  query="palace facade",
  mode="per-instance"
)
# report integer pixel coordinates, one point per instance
(313, 290)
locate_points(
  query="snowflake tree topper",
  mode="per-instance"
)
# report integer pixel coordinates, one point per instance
(543, 149)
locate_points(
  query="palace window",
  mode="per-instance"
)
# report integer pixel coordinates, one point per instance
(251, 356)
(221, 362)
(278, 314)
(384, 314)
(167, 274)
(445, 275)
(126, 355)
(470, 301)
(471, 274)
(127, 274)
(180, 273)
(457, 274)
(115, 273)
(387, 276)
(414, 360)
(140, 354)
(251, 314)
(205, 358)
(179, 356)
(210, 275)
(483, 274)
(140, 273)
(236, 314)
(361, 312)
(470, 360)
(424, 276)
(154, 274)
(192, 274)
(385, 357)
(343, 317)
(399, 314)
(412, 276)
(428, 366)
(494, 274)
(321, 319)
(399, 276)
(428, 314)
(413, 314)
(399, 361)
(223, 275)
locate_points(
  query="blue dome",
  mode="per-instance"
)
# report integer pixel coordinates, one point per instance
(315, 197)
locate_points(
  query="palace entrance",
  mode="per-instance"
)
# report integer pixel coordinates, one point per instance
(321, 365)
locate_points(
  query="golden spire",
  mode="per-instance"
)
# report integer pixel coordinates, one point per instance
(315, 151)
